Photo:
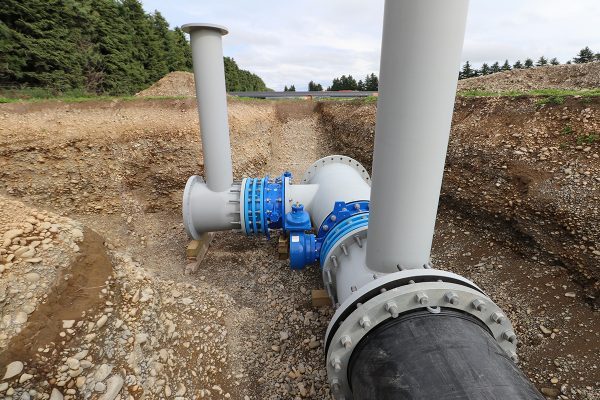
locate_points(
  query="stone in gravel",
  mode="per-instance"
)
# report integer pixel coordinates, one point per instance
(313, 344)
(81, 355)
(72, 363)
(552, 392)
(141, 338)
(102, 372)
(25, 377)
(13, 369)
(100, 323)
(77, 234)
(545, 330)
(554, 380)
(284, 335)
(99, 387)
(32, 277)
(13, 233)
(80, 382)
(187, 301)
(3, 386)
(21, 317)
(33, 260)
(56, 395)
(113, 387)
(570, 294)
(68, 323)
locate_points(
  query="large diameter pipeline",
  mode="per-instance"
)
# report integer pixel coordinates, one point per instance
(420, 57)
(449, 355)
(209, 76)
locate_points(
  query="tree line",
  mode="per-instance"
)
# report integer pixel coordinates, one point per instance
(97, 46)
(370, 83)
(585, 55)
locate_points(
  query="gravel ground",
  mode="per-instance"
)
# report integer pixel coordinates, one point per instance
(573, 76)
(242, 325)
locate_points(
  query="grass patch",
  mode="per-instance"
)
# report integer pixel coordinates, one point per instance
(567, 130)
(550, 100)
(587, 139)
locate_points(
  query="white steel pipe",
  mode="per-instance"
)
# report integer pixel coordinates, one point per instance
(420, 58)
(209, 75)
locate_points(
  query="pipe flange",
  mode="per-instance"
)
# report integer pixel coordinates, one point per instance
(335, 254)
(336, 159)
(414, 296)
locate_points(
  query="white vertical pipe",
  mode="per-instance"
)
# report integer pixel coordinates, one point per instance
(209, 75)
(420, 58)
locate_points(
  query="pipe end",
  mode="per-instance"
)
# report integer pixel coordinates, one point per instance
(195, 26)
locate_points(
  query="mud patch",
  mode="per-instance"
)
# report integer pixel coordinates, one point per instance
(77, 290)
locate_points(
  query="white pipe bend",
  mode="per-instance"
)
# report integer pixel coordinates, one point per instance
(208, 211)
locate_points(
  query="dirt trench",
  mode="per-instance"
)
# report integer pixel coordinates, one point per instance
(120, 168)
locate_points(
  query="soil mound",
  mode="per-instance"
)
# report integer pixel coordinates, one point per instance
(573, 76)
(174, 84)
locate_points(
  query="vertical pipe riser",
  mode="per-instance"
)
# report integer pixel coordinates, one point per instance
(420, 57)
(209, 76)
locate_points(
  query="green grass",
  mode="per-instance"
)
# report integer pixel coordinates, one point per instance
(587, 139)
(567, 130)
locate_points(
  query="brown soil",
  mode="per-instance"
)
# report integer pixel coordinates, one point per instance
(174, 84)
(518, 196)
(573, 76)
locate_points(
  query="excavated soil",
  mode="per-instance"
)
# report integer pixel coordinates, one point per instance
(518, 215)
(571, 76)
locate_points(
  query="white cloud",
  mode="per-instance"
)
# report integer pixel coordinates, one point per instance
(303, 40)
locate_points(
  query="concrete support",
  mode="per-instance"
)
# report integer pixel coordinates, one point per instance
(209, 75)
(420, 58)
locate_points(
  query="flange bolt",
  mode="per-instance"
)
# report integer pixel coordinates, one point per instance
(498, 317)
(479, 305)
(346, 341)
(365, 322)
(452, 298)
(336, 363)
(422, 298)
(392, 308)
(510, 336)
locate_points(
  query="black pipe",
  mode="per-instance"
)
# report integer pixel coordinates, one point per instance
(426, 356)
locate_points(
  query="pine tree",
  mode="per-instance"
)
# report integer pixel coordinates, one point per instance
(554, 61)
(314, 87)
(506, 66)
(292, 88)
(360, 86)
(541, 61)
(372, 83)
(485, 69)
(495, 67)
(528, 63)
(585, 55)
(518, 65)
(285, 88)
(466, 71)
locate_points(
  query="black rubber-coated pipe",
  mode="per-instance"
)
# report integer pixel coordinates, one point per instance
(425, 356)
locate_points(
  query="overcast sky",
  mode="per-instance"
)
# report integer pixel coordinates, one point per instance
(293, 42)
